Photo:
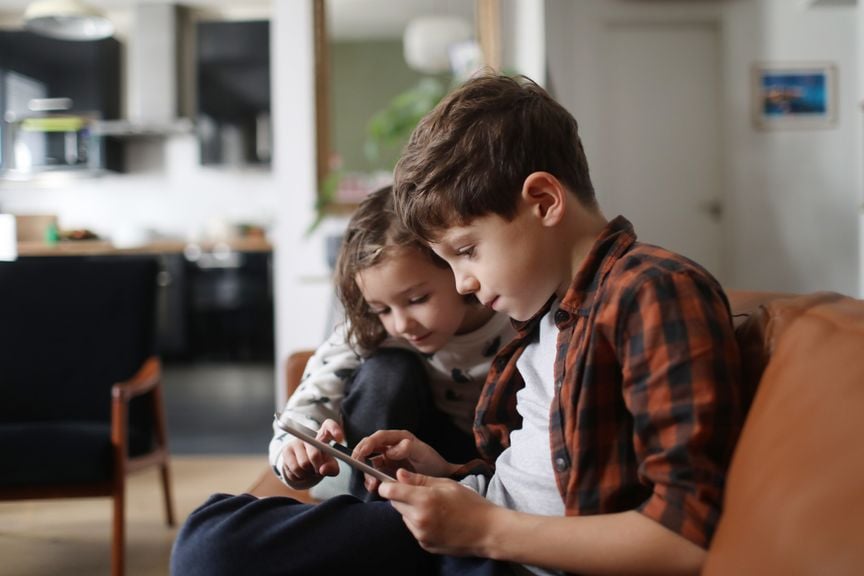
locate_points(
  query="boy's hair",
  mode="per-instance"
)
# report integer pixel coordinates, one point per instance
(374, 232)
(471, 154)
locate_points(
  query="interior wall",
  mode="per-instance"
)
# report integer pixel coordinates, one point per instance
(793, 222)
(166, 192)
(303, 293)
(791, 197)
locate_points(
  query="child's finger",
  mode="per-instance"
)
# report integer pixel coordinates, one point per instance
(331, 430)
(400, 451)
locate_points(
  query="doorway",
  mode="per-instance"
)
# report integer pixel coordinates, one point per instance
(663, 135)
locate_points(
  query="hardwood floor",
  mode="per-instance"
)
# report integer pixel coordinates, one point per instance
(42, 537)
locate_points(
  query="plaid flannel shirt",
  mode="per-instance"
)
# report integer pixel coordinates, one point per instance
(648, 401)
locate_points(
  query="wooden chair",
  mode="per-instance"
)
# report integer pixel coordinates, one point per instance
(80, 386)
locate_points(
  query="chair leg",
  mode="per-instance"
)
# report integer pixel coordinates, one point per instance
(118, 540)
(166, 492)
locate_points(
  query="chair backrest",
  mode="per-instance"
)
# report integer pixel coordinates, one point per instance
(70, 328)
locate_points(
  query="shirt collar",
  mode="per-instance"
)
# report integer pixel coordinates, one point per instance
(616, 238)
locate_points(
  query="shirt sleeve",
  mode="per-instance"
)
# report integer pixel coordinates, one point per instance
(321, 390)
(681, 383)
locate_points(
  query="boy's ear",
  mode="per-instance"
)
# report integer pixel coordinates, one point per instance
(545, 196)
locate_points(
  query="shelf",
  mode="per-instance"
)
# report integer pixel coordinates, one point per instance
(826, 3)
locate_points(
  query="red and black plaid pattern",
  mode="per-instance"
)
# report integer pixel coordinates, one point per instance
(648, 402)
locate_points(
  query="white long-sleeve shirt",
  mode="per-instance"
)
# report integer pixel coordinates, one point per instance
(457, 373)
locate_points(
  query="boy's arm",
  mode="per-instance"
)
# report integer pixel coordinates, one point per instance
(682, 385)
(447, 518)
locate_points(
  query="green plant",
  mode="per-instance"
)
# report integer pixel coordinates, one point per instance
(392, 125)
(386, 129)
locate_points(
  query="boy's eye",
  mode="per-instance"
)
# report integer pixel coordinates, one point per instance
(466, 251)
(419, 299)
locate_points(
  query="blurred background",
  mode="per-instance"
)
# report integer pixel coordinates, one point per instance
(231, 140)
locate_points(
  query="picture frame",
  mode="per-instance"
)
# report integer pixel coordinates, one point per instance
(794, 95)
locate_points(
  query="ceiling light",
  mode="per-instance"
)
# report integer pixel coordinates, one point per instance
(428, 39)
(67, 20)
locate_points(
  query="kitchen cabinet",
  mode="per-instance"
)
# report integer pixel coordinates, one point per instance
(215, 302)
(51, 91)
(233, 87)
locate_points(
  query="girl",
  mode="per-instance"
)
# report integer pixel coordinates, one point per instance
(399, 298)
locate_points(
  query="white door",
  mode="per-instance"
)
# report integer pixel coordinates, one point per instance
(663, 142)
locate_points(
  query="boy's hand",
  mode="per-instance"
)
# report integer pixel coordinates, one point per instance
(303, 465)
(444, 516)
(400, 449)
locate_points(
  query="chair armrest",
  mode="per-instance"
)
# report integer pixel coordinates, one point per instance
(295, 365)
(145, 380)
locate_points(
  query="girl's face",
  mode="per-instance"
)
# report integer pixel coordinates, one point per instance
(417, 300)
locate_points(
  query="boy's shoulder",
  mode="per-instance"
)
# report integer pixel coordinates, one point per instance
(642, 262)
(646, 265)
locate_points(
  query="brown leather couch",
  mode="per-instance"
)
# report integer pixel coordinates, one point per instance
(795, 497)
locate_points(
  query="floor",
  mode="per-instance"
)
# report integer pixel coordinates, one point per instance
(72, 537)
(219, 417)
(219, 407)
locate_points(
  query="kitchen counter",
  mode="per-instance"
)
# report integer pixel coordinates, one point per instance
(106, 248)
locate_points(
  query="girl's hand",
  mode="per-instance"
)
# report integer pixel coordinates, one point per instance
(303, 465)
(400, 449)
(444, 516)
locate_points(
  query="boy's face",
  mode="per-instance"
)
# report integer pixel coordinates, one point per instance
(507, 265)
(415, 300)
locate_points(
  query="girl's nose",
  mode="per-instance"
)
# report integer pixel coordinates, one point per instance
(401, 321)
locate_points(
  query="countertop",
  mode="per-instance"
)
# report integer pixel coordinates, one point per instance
(106, 248)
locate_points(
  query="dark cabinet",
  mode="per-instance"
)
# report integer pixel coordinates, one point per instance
(230, 307)
(50, 92)
(233, 88)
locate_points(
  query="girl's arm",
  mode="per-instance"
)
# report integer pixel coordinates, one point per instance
(321, 390)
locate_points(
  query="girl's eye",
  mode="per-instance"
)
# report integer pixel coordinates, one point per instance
(419, 299)
(466, 251)
(379, 311)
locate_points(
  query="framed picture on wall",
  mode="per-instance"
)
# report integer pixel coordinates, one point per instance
(794, 95)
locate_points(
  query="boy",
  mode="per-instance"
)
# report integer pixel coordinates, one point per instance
(645, 396)
(611, 417)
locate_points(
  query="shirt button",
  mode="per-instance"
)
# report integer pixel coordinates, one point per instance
(560, 464)
(561, 316)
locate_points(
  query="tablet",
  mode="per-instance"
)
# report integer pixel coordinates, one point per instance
(332, 448)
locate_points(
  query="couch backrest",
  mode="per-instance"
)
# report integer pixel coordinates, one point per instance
(69, 329)
(793, 501)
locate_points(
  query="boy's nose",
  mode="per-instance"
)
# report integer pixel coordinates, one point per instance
(466, 284)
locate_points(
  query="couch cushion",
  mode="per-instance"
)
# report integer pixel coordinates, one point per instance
(760, 317)
(50, 453)
(793, 501)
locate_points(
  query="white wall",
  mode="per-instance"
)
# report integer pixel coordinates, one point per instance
(166, 193)
(793, 222)
(792, 196)
(302, 279)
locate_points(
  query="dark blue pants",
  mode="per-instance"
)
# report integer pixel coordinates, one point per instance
(242, 535)
(390, 391)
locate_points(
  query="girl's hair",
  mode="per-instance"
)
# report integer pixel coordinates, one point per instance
(374, 233)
